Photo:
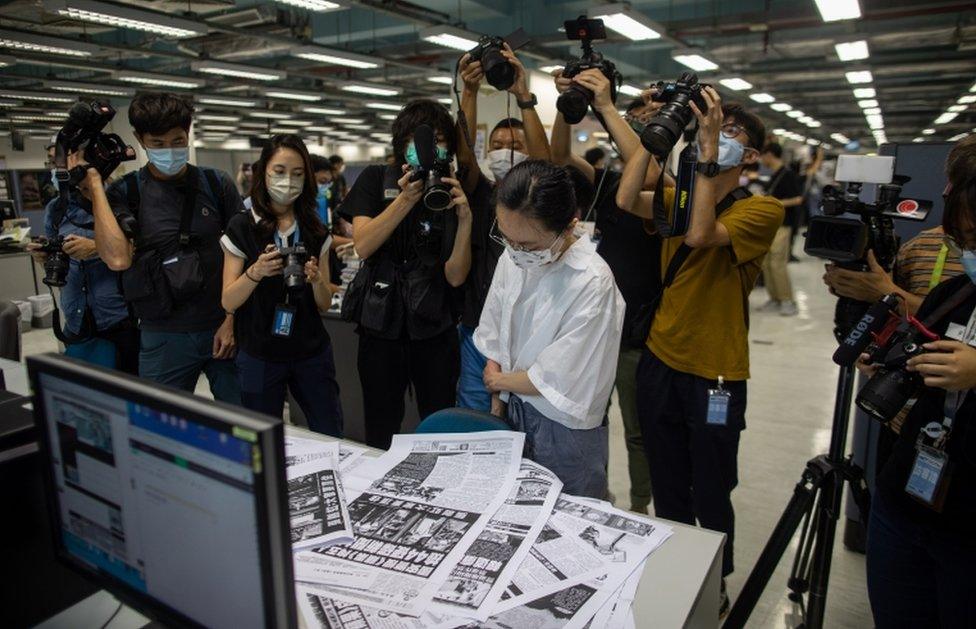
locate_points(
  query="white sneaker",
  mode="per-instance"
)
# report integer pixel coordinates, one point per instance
(770, 306)
(788, 309)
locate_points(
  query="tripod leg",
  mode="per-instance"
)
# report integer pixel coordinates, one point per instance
(798, 506)
(824, 548)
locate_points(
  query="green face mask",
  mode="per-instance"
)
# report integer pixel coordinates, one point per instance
(413, 160)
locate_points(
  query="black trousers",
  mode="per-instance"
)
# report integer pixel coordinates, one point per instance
(693, 464)
(387, 367)
(125, 336)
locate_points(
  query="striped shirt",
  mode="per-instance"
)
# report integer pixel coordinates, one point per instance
(917, 260)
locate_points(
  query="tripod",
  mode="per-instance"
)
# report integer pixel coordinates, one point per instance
(816, 504)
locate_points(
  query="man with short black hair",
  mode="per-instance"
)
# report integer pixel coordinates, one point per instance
(163, 231)
(785, 185)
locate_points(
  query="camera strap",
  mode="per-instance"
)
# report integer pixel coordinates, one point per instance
(189, 204)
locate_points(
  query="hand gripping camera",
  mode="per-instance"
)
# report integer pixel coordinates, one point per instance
(499, 73)
(574, 103)
(437, 194)
(663, 130)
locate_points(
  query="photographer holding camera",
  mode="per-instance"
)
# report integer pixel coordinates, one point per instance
(162, 230)
(510, 142)
(692, 377)
(920, 548)
(276, 298)
(412, 227)
(93, 306)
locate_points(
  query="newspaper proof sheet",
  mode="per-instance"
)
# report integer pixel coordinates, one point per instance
(478, 581)
(424, 504)
(316, 503)
(302, 449)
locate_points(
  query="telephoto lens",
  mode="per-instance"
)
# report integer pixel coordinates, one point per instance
(663, 130)
(294, 270)
(499, 73)
(574, 103)
(56, 269)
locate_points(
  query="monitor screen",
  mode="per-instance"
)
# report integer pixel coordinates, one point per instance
(160, 499)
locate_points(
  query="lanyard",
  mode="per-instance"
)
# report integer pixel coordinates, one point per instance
(939, 267)
(296, 236)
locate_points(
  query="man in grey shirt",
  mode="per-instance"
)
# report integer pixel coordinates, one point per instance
(163, 230)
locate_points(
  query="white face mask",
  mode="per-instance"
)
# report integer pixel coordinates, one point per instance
(284, 189)
(535, 259)
(500, 161)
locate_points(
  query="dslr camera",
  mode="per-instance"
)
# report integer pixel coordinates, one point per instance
(663, 130)
(499, 73)
(294, 268)
(57, 263)
(83, 131)
(432, 170)
(574, 103)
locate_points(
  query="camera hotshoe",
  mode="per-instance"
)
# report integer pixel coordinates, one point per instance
(432, 170)
(83, 131)
(574, 102)
(663, 130)
(293, 271)
(499, 73)
(57, 262)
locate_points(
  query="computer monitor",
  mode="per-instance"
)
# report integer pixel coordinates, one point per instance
(175, 504)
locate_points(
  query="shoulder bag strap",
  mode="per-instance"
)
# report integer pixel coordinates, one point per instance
(189, 204)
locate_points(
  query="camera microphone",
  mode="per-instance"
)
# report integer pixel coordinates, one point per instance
(862, 334)
(423, 141)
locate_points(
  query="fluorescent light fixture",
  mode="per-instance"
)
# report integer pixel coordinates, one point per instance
(957, 108)
(852, 51)
(867, 104)
(315, 5)
(693, 60)
(626, 21)
(319, 129)
(359, 127)
(386, 106)
(780, 107)
(21, 95)
(9, 103)
(325, 111)
(762, 97)
(445, 101)
(443, 80)
(348, 121)
(126, 17)
(736, 84)
(157, 80)
(386, 117)
(216, 117)
(973, 88)
(813, 142)
(779, 131)
(372, 89)
(804, 119)
(875, 121)
(966, 100)
(6, 60)
(814, 124)
(958, 137)
(550, 69)
(336, 57)
(629, 90)
(918, 140)
(864, 92)
(237, 70)
(87, 88)
(859, 76)
(450, 37)
(948, 116)
(252, 124)
(293, 94)
(872, 110)
(294, 123)
(834, 10)
(225, 100)
(796, 113)
(840, 138)
(272, 115)
(928, 131)
(30, 42)
(217, 127)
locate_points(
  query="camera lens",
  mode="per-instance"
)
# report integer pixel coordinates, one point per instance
(498, 71)
(664, 129)
(574, 103)
(437, 195)
(294, 271)
(887, 392)
(56, 269)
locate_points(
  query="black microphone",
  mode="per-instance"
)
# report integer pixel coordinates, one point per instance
(860, 336)
(423, 141)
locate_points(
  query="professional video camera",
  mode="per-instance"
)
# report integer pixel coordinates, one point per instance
(437, 194)
(57, 263)
(574, 103)
(846, 241)
(499, 73)
(663, 130)
(83, 130)
(294, 268)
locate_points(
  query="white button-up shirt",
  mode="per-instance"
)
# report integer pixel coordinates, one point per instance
(561, 323)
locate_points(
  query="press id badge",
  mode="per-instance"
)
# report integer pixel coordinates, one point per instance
(284, 320)
(718, 405)
(929, 479)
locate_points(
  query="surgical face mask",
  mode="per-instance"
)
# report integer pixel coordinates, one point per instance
(535, 259)
(500, 161)
(969, 264)
(730, 152)
(322, 187)
(283, 188)
(169, 161)
(414, 160)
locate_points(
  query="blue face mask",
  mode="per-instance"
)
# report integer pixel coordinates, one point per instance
(969, 264)
(413, 160)
(730, 152)
(169, 161)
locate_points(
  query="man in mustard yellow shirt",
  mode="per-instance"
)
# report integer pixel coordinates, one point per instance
(699, 335)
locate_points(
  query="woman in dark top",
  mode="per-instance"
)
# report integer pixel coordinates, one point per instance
(921, 549)
(281, 339)
(414, 257)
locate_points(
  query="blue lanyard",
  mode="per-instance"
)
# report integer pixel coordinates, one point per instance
(296, 236)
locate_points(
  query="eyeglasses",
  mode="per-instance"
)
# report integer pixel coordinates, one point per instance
(496, 235)
(732, 129)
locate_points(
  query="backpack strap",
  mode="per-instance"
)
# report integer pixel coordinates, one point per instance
(132, 199)
(216, 193)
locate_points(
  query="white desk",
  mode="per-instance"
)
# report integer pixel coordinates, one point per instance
(680, 586)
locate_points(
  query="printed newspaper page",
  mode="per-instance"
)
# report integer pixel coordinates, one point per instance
(302, 449)
(316, 504)
(477, 583)
(427, 503)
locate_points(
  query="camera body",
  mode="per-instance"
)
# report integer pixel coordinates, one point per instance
(57, 263)
(437, 194)
(83, 131)
(574, 103)
(295, 258)
(663, 130)
(499, 73)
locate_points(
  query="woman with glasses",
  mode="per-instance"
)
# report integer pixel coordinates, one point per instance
(551, 328)
(921, 548)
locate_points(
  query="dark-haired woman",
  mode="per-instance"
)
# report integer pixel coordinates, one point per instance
(281, 339)
(920, 547)
(414, 257)
(551, 328)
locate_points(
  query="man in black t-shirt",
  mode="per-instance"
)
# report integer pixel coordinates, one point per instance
(173, 286)
(785, 185)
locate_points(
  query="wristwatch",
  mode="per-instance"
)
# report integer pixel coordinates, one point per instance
(709, 169)
(527, 104)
